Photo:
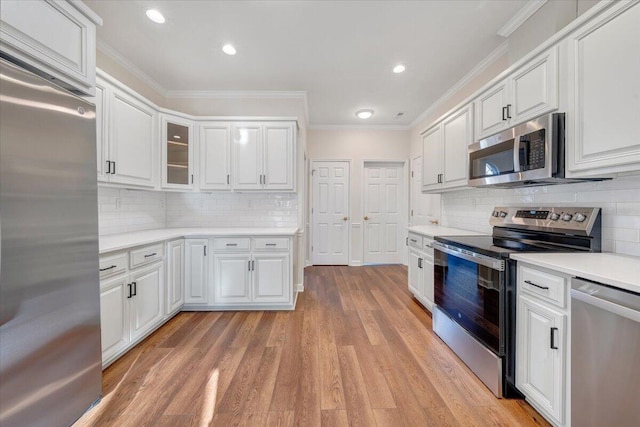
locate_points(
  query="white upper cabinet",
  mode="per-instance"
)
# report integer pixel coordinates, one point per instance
(56, 37)
(445, 151)
(215, 156)
(132, 141)
(263, 156)
(603, 105)
(529, 91)
(177, 152)
(247, 156)
(278, 156)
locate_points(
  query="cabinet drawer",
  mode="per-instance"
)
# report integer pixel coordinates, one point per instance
(426, 245)
(546, 286)
(415, 240)
(232, 243)
(271, 243)
(112, 264)
(146, 255)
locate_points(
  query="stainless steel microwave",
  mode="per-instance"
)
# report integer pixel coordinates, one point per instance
(532, 153)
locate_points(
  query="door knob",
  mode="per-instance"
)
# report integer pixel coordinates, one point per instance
(345, 218)
(366, 218)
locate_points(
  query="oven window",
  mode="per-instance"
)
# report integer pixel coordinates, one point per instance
(470, 294)
(492, 161)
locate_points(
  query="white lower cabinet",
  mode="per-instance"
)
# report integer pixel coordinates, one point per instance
(541, 342)
(147, 302)
(175, 275)
(421, 275)
(271, 278)
(114, 316)
(232, 278)
(196, 272)
(132, 302)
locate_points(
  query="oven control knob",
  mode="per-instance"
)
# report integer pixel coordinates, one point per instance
(579, 217)
(503, 214)
(567, 217)
(554, 216)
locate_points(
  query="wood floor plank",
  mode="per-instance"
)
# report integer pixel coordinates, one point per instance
(334, 418)
(358, 350)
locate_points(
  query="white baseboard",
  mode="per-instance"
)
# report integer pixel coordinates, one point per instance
(300, 287)
(355, 264)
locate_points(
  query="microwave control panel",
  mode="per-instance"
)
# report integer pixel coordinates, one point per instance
(532, 150)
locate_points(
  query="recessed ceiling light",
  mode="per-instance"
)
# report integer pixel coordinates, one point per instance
(229, 49)
(155, 16)
(364, 114)
(399, 68)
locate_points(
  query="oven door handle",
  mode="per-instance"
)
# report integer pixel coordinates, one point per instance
(487, 261)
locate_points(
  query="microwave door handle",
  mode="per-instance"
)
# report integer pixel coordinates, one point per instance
(516, 154)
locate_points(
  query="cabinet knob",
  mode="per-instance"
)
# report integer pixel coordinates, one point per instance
(346, 218)
(366, 218)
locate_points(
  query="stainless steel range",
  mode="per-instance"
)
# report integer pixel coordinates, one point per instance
(475, 283)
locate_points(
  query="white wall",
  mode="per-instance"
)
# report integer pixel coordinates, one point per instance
(618, 198)
(358, 145)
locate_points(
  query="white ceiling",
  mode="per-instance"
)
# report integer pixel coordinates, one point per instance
(340, 52)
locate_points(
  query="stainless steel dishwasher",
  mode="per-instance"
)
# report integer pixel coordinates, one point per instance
(605, 355)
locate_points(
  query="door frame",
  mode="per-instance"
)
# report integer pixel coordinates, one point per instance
(404, 202)
(311, 201)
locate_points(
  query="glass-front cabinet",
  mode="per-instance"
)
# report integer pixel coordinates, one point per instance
(177, 152)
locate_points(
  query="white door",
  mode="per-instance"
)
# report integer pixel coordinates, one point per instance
(383, 213)
(278, 156)
(175, 275)
(196, 272)
(247, 157)
(147, 302)
(330, 213)
(215, 156)
(232, 278)
(271, 282)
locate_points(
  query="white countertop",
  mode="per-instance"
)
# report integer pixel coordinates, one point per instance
(621, 271)
(438, 230)
(116, 242)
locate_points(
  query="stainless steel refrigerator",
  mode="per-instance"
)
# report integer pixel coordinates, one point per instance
(50, 356)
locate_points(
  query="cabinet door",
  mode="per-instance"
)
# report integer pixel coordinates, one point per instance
(175, 275)
(490, 116)
(197, 271)
(427, 279)
(232, 276)
(114, 316)
(52, 36)
(603, 118)
(278, 154)
(415, 272)
(147, 309)
(457, 134)
(215, 156)
(534, 88)
(102, 113)
(131, 140)
(247, 157)
(177, 152)
(540, 372)
(271, 278)
(431, 158)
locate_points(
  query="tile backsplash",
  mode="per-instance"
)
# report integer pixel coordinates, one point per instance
(232, 210)
(618, 198)
(122, 210)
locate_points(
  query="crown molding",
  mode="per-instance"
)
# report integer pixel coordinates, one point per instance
(483, 65)
(521, 17)
(359, 127)
(108, 50)
(236, 94)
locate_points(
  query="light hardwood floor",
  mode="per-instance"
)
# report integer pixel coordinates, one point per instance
(358, 350)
